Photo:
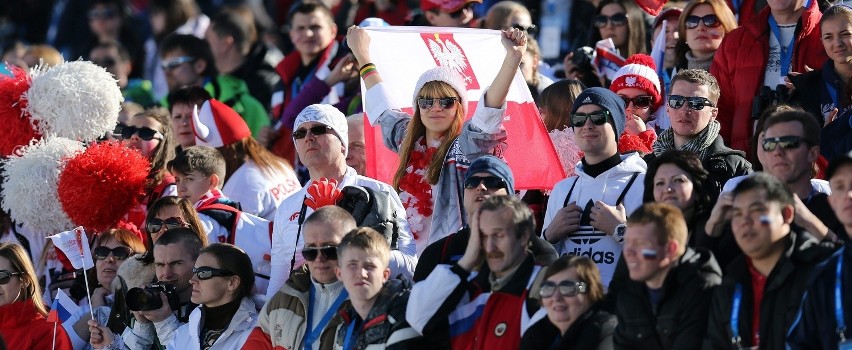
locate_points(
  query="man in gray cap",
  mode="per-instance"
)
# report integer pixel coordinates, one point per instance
(586, 212)
(321, 138)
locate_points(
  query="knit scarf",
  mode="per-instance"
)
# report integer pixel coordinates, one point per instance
(698, 145)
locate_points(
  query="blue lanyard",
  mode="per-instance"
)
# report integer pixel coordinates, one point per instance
(838, 301)
(347, 342)
(314, 334)
(735, 314)
(786, 52)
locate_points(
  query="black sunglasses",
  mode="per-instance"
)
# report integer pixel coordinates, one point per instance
(119, 127)
(567, 288)
(638, 101)
(119, 253)
(617, 20)
(144, 133)
(695, 103)
(106, 62)
(531, 30)
(316, 131)
(490, 182)
(443, 102)
(598, 118)
(207, 272)
(785, 142)
(710, 21)
(312, 253)
(6, 275)
(154, 225)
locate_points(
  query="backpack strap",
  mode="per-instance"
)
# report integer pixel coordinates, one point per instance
(229, 223)
(565, 203)
(626, 188)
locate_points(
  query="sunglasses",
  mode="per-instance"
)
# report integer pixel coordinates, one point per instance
(567, 288)
(785, 142)
(312, 253)
(598, 118)
(206, 272)
(710, 21)
(443, 102)
(490, 182)
(175, 62)
(106, 62)
(638, 101)
(119, 253)
(6, 275)
(695, 103)
(531, 30)
(145, 133)
(316, 131)
(102, 14)
(617, 20)
(154, 225)
(119, 127)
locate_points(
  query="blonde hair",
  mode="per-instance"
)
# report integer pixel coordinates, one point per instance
(368, 240)
(20, 261)
(500, 14)
(416, 129)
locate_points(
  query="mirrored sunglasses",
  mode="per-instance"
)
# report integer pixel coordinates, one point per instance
(490, 182)
(6, 276)
(785, 142)
(312, 253)
(443, 102)
(144, 133)
(154, 225)
(617, 20)
(710, 21)
(173, 63)
(206, 272)
(695, 103)
(119, 253)
(567, 288)
(598, 118)
(316, 131)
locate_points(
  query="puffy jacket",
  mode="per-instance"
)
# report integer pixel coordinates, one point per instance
(385, 326)
(680, 319)
(782, 294)
(591, 331)
(740, 64)
(23, 328)
(188, 336)
(283, 322)
(816, 326)
(621, 184)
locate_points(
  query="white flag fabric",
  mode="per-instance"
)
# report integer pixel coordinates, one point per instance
(402, 54)
(607, 58)
(658, 53)
(75, 245)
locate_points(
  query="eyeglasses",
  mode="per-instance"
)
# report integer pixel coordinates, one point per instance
(710, 21)
(6, 275)
(206, 272)
(567, 288)
(695, 103)
(617, 20)
(490, 182)
(154, 225)
(102, 14)
(312, 253)
(119, 127)
(785, 142)
(443, 102)
(144, 133)
(598, 118)
(316, 131)
(531, 30)
(119, 253)
(638, 101)
(175, 62)
(106, 62)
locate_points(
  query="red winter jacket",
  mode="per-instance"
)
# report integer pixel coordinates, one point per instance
(23, 328)
(740, 63)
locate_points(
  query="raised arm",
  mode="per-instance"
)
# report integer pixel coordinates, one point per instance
(515, 42)
(359, 42)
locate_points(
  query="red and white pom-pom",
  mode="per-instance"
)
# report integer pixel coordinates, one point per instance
(17, 124)
(29, 185)
(100, 185)
(643, 59)
(77, 100)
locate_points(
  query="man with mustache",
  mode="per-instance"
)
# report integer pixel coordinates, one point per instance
(692, 111)
(500, 233)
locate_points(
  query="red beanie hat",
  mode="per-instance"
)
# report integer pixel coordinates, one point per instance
(639, 72)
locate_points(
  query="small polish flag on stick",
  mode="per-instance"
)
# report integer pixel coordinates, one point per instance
(75, 245)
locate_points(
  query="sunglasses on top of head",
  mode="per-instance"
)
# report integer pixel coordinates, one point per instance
(119, 253)
(155, 225)
(578, 120)
(567, 288)
(312, 253)
(710, 21)
(316, 131)
(145, 133)
(784, 142)
(207, 272)
(6, 276)
(695, 103)
(490, 182)
(443, 102)
(617, 20)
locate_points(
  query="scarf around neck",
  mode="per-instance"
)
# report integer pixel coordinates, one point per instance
(698, 145)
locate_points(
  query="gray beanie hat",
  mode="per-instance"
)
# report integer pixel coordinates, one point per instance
(606, 99)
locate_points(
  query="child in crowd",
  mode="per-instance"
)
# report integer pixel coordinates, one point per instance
(376, 312)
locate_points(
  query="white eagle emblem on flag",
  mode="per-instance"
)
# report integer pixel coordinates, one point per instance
(449, 55)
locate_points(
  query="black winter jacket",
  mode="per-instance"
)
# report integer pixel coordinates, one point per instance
(593, 330)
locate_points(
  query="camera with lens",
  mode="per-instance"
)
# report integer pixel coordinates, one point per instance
(583, 56)
(766, 98)
(148, 298)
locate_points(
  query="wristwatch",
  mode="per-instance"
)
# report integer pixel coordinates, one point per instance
(619, 232)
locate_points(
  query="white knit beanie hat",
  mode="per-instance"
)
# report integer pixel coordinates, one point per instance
(445, 75)
(328, 115)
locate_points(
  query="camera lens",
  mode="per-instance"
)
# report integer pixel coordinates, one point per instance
(143, 299)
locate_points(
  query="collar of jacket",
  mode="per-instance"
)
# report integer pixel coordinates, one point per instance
(808, 22)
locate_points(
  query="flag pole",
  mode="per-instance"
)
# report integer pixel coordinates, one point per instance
(86, 279)
(85, 275)
(53, 347)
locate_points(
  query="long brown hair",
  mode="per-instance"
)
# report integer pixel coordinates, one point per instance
(20, 261)
(556, 101)
(720, 9)
(636, 27)
(248, 148)
(165, 151)
(416, 130)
